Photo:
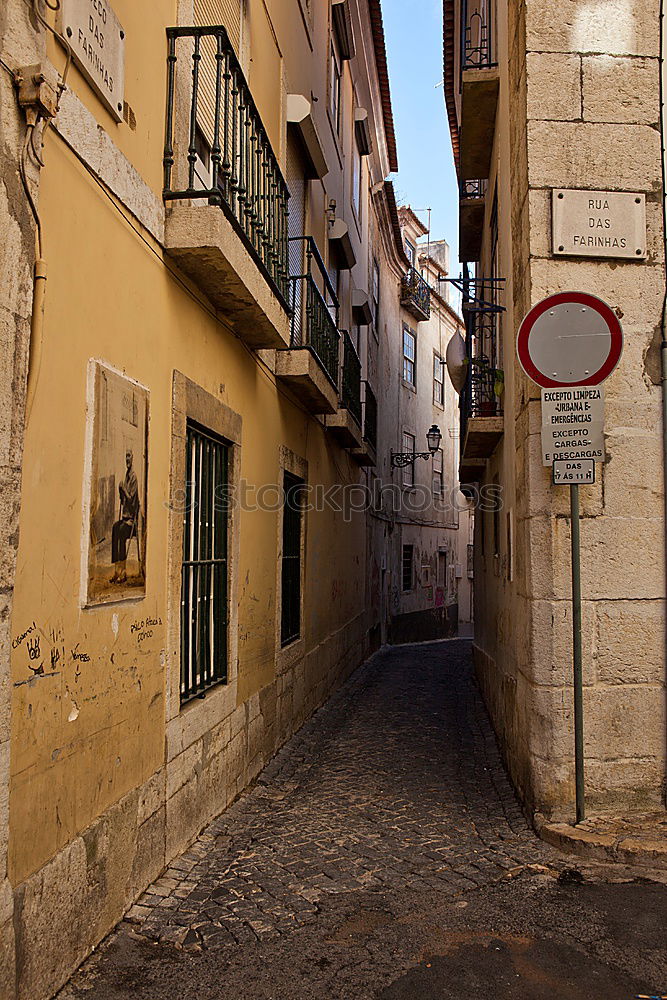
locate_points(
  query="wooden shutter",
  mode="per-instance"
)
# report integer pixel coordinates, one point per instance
(227, 12)
(213, 13)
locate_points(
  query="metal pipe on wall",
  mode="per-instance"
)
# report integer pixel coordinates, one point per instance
(663, 344)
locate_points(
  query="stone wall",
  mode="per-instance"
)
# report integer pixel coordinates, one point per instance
(21, 46)
(589, 74)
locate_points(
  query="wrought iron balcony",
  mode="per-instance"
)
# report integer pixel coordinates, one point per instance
(216, 147)
(314, 309)
(476, 35)
(416, 295)
(351, 379)
(480, 401)
(474, 190)
(370, 416)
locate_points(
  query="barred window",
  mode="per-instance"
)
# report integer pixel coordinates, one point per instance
(291, 558)
(204, 602)
(407, 570)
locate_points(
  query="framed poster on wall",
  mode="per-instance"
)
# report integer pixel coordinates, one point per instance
(115, 487)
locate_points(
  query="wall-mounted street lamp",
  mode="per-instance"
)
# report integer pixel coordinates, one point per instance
(399, 459)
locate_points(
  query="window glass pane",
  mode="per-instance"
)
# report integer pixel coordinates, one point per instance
(409, 470)
(409, 352)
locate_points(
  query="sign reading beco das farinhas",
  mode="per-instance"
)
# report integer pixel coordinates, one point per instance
(599, 224)
(98, 48)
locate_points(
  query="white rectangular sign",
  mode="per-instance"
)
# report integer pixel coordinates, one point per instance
(581, 471)
(599, 224)
(98, 46)
(573, 424)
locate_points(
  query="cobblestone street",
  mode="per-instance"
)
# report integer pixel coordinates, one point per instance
(384, 828)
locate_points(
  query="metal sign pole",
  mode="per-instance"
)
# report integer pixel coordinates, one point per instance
(576, 654)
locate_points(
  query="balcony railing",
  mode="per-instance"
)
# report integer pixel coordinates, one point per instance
(228, 159)
(416, 295)
(481, 395)
(370, 416)
(476, 35)
(351, 379)
(472, 189)
(314, 307)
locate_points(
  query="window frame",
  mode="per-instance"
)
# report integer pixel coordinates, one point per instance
(191, 401)
(409, 444)
(440, 473)
(375, 296)
(410, 251)
(357, 176)
(410, 363)
(438, 366)
(335, 85)
(204, 557)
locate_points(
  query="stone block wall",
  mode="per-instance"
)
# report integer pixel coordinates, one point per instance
(591, 118)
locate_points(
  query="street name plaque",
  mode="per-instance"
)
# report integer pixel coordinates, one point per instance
(599, 224)
(98, 48)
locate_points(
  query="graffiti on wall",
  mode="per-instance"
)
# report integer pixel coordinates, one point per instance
(117, 502)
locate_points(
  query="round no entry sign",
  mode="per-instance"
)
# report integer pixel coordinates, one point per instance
(569, 339)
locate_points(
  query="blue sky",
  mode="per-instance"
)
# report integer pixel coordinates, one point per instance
(426, 177)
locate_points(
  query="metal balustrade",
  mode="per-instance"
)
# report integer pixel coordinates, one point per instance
(222, 152)
(480, 397)
(476, 35)
(314, 307)
(416, 295)
(475, 189)
(351, 378)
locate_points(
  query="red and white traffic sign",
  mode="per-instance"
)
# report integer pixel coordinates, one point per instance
(569, 339)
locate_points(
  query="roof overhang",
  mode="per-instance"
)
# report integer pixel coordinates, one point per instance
(379, 46)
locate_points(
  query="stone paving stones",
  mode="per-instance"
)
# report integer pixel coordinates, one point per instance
(397, 782)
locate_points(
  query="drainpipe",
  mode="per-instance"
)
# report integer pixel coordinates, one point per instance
(663, 345)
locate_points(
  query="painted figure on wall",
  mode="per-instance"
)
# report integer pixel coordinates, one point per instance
(126, 527)
(117, 541)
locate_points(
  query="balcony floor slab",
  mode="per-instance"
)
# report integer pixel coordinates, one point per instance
(479, 102)
(300, 369)
(208, 249)
(482, 436)
(344, 427)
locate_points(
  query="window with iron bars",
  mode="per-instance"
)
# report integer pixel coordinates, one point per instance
(290, 628)
(204, 601)
(407, 571)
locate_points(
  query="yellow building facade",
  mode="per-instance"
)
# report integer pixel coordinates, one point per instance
(185, 593)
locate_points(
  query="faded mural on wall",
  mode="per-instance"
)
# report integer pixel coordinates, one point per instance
(117, 502)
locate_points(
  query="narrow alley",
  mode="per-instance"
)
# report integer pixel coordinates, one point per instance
(382, 853)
